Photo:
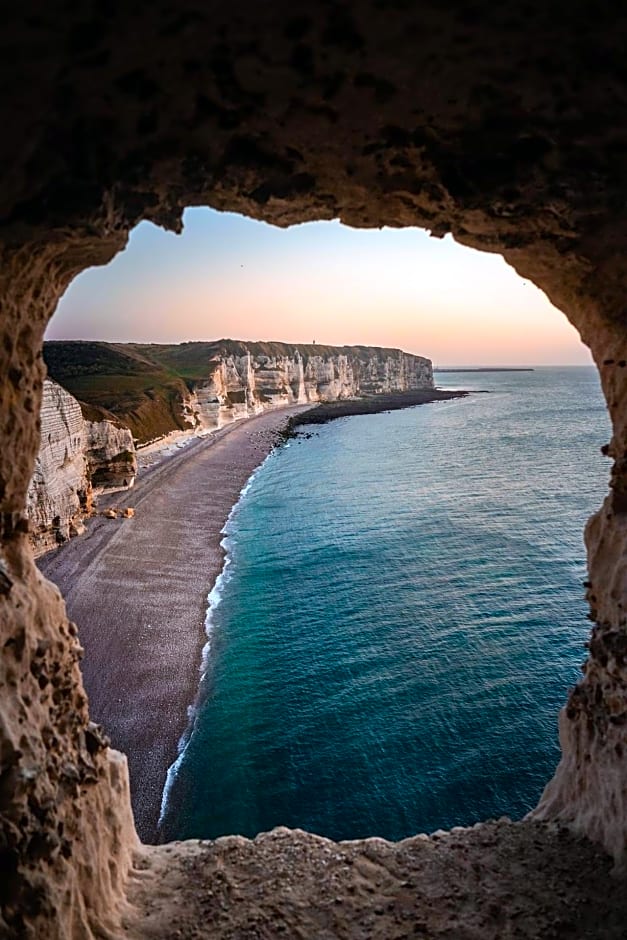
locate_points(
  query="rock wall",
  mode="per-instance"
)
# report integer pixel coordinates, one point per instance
(589, 789)
(252, 381)
(66, 831)
(155, 389)
(59, 495)
(110, 454)
(76, 458)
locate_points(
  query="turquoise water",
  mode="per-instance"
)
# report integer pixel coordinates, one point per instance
(401, 617)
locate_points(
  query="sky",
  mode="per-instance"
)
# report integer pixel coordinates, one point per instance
(228, 276)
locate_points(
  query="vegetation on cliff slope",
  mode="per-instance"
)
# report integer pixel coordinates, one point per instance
(118, 382)
(142, 385)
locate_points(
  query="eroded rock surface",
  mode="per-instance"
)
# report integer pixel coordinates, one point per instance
(59, 495)
(76, 458)
(257, 377)
(110, 453)
(498, 881)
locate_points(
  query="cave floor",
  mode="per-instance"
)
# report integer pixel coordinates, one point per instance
(497, 880)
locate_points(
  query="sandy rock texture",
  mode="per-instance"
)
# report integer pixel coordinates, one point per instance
(76, 458)
(503, 124)
(497, 881)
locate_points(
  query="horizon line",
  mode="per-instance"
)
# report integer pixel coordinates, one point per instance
(436, 367)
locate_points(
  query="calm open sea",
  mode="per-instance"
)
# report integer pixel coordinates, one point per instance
(400, 618)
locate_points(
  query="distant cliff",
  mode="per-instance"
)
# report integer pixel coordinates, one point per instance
(76, 459)
(156, 389)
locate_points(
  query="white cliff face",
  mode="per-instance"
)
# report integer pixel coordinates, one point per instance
(240, 386)
(74, 456)
(59, 492)
(110, 454)
(331, 379)
(78, 458)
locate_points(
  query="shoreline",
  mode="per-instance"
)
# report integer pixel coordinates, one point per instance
(213, 600)
(139, 588)
(373, 405)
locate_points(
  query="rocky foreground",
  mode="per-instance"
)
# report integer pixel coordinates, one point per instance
(496, 881)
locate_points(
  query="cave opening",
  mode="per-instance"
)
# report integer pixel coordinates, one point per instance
(217, 269)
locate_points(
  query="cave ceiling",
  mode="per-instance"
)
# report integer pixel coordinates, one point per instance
(503, 124)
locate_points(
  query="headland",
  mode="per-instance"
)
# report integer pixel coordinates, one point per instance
(370, 405)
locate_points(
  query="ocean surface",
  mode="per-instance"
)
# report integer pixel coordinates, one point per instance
(400, 617)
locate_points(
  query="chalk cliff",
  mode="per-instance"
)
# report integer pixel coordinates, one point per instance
(155, 389)
(245, 379)
(110, 454)
(76, 458)
(152, 390)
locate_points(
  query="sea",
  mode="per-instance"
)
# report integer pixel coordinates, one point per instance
(400, 617)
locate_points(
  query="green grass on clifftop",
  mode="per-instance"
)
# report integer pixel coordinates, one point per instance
(141, 385)
(120, 383)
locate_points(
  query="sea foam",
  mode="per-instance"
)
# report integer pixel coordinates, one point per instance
(214, 598)
(402, 617)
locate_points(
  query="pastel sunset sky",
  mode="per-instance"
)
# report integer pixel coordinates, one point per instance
(228, 276)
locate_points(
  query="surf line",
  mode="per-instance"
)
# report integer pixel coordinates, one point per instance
(214, 599)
